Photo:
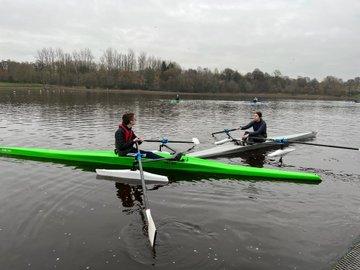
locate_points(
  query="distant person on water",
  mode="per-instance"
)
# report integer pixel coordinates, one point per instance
(125, 138)
(259, 127)
(177, 97)
(255, 99)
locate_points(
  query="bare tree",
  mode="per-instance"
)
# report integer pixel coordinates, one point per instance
(109, 59)
(142, 61)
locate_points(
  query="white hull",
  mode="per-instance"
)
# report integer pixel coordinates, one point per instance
(232, 148)
(131, 177)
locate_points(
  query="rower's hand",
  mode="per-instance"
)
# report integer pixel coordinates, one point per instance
(139, 140)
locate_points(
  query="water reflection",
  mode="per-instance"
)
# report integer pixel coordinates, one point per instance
(129, 195)
(132, 199)
(254, 159)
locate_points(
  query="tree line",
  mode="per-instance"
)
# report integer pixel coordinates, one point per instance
(117, 70)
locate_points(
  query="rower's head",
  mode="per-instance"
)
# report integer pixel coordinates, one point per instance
(128, 119)
(257, 116)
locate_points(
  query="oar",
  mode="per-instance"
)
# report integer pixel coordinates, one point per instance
(165, 141)
(281, 153)
(326, 145)
(225, 131)
(174, 157)
(224, 141)
(150, 221)
(287, 141)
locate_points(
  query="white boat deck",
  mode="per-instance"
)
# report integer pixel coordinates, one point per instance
(232, 148)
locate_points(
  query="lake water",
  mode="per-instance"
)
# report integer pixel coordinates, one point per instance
(54, 216)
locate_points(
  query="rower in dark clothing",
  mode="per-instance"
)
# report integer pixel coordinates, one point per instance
(125, 138)
(259, 127)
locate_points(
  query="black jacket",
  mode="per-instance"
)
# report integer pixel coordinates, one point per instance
(259, 128)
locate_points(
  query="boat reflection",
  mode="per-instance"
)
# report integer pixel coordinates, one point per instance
(254, 160)
(132, 200)
(129, 194)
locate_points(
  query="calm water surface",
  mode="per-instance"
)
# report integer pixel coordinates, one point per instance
(54, 216)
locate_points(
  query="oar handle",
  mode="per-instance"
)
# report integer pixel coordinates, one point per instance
(224, 131)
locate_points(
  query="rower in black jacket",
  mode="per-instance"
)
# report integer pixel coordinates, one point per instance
(259, 127)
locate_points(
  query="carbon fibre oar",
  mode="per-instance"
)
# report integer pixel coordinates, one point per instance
(165, 141)
(150, 221)
(327, 145)
(225, 131)
(286, 141)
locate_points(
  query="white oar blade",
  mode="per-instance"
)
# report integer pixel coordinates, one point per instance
(281, 152)
(196, 141)
(131, 177)
(223, 141)
(151, 227)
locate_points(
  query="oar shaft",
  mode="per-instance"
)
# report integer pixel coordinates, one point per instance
(150, 221)
(175, 157)
(157, 159)
(225, 131)
(327, 145)
(161, 141)
(286, 141)
(142, 176)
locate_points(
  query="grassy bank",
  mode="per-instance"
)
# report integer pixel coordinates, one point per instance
(20, 86)
(226, 96)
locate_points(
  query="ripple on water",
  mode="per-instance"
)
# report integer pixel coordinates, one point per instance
(172, 245)
(34, 201)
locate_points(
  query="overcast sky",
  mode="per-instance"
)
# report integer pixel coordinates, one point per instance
(299, 38)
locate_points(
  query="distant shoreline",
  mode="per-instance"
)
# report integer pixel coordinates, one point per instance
(226, 96)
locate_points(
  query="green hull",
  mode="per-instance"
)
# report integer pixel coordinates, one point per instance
(187, 164)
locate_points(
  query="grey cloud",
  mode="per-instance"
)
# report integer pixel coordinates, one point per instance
(300, 38)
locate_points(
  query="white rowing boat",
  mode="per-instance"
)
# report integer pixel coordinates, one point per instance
(233, 148)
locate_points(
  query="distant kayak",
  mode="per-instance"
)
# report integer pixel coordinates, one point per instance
(258, 103)
(175, 101)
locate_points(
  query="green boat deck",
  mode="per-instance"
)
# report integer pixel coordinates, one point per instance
(187, 164)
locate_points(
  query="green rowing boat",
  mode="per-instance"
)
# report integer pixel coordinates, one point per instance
(187, 164)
